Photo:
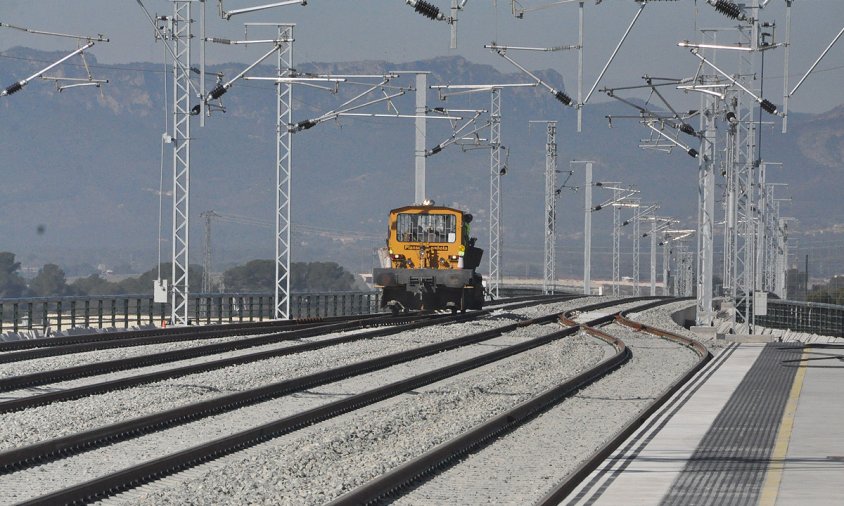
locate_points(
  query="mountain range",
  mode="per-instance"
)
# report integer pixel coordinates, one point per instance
(82, 168)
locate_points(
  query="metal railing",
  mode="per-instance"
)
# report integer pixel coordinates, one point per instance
(123, 311)
(809, 317)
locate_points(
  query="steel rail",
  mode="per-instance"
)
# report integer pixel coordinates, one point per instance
(148, 471)
(85, 370)
(141, 379)
(391, 483)
(564, 488)
(50, 342)
(174, 334)
(75, 443)
(159, 337)
(303, 330)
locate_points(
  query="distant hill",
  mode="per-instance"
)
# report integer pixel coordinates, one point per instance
(85, 164)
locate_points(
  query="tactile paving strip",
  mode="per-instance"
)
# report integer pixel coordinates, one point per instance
(728, 467)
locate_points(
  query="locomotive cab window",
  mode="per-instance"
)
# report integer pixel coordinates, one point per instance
(426, 227)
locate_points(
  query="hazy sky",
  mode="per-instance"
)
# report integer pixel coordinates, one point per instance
(342, 30)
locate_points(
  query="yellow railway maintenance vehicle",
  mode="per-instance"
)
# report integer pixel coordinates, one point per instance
(429, 262)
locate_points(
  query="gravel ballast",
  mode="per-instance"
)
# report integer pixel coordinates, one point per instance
(321, 463)
(63, 418)
(317, 464)
(300, 471)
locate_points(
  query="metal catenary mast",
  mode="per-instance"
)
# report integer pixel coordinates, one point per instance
(495, 173)
(179, 31)
(549, 271)
(284, 156)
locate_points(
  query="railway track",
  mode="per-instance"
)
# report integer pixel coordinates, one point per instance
(99, 368)
(22, 458)
(294, 422)
(18, 351)
(126, 338)
(20, 392)
(61, 447)
(526, 436)
(16, 398)
(562, 489)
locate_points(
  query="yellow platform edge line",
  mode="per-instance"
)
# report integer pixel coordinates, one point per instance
(773, 476)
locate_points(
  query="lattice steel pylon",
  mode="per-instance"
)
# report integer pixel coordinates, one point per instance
(688, 263)
(745, 228)
(180, 38)
(730, 195)
(621, 198)
(771, 239)
(550, 275)
(495, 168)
(706, 211)
(284, 156)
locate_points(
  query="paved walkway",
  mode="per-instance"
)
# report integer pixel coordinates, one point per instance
(761, 424)
(814, 464)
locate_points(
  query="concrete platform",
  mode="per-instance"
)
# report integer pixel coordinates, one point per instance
(813, 467)
(760, 424)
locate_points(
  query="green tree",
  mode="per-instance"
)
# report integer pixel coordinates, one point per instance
(831, 293)
(93, 285)
(259, 276)
(142, 285)
(320, 277)
(49, 282)
(255, 276)
(11, 283)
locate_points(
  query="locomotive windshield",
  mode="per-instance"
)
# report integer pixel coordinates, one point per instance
(426, 227)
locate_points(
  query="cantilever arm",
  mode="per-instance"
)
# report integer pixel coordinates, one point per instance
(14, 88)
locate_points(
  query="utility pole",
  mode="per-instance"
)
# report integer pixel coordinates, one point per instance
(616, 240)
(587, 227)
(666, 265)
(653, 257)
(421, 134)
(206, 264)
(636, 241)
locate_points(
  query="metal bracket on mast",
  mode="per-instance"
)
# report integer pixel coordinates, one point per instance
(75, 82)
